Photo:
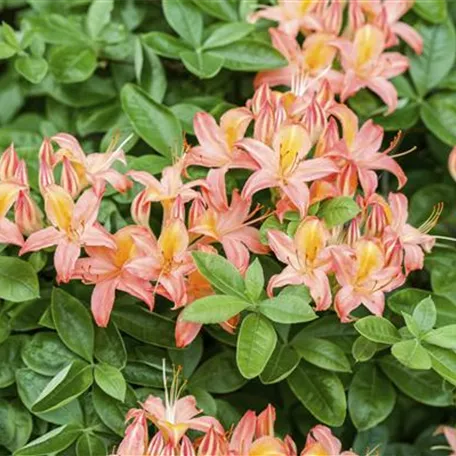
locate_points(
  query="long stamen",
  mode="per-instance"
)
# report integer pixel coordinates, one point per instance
(445, 238)
(165, 385)
(402, 154)
(433, 218)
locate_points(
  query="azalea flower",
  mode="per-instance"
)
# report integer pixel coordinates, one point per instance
(218, 221)
(80, 170)
(105, 267)
(9, 231)
(73, 226)
(218, 143)
(365, 64)
(165, 191)
(320, 441)
(284, 166)
(136, 435)
(364, 275)
(308, 260)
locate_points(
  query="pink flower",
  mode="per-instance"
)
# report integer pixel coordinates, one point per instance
(164, 191)
(365, 64)
(364, 275)
(450, 435)
(9, 231)
(308, 260)
(320, 441)
(136, 435)
(284, 166)
(414, 241)
(105, 267)
(218, 143)
(74, 226)
(80, 170)
(228, 224)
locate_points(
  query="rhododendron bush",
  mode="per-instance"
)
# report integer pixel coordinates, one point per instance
(227, 228)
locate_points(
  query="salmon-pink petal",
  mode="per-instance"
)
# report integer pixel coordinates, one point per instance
(273, 78)
(135, 440)
(368, 139)
(216, 189)
(285, 44)
(86, 209)
(235, 123)
(250, 237)
(273, 13)
(345, 301)
(319, 288)
(65, 257)
(147, 268)
(368, 180)
(259, 180)
(399, 208)
(212, 444)
(237, 253)
(97, 235)
(175, 288)
(283, 246)
(186, 447)
(289, 276)
(243, 433)
(413, 258)
(41, 240)
(27, 214)
(385, 90)
(384, 162)
(10, 234)
(186, 409)
(68, 142)
(265, 422)
(204, 423)
(315, 168)
(145, 179)
(210, 135)
(298, 193)
(9, 161)
(138, 288)
(69, 179)
(185, 332)
(155, 408)
(116, 179)
(375, 302)
(93, 269)
(325, 437)
(409, 35)
(156, 445)
(102, 301)
(262, 154)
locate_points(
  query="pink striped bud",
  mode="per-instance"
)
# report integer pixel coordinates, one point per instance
(27, 214)
(9, 161)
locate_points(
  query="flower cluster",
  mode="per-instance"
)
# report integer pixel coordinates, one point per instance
(253, 435)
(372, 27)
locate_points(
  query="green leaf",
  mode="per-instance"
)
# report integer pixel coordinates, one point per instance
(282, 363)
(10, 359)
(97, 119)
(404, 117)
(439, 51)
(68, 384)
(9, 35)
(411, 324)
(18, 280)
(98, 16)
(188, 357)
(46, 354)
(423, 386)
(185, 112)
(221, 273)
(320, 392)
(431, 10)
(444, 337)
(256, 342)
(218, 374)
(111, 381)
(153, 164)
(254, 280)
(378, 329)
(322, 353)
(225, 34)
(221, 10)
(164, 44)
(57, 29)
(51, 443)
(111, 411)
(363, 349)
(371, 397)
(185, 19)
(90, 445)
(249, 55)
(143, 373)
(73, 323)
(204, 65)
(6, 51)
(153, 77)
(143, 325)
(425, 314)
(438, 114)
(33, 69)
(214, 309)
(288, 308)
(338, 211)
(443, 362)
(15, 424)
(110, 347)
(72, 63)
(155, 123)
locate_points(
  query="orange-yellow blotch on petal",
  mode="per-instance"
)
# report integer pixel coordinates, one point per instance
(369, 43)
(370, 259)
(8, 195)
(59, 207)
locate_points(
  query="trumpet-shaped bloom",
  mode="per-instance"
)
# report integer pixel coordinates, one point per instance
(321, 442)
(218, 143)
(228, 224)
(364, 276)
(105, 268)
(167, 261)
(74, 226)
(414, 241)
(365, 64)
(165, 191)
(308, 260)
(359, 157)
(305, 66)
(136, 435)
(284, 166)
(80, 170)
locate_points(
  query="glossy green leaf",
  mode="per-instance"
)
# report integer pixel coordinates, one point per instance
(15, 424)
(371, 397)
(18, 280)
(6, 51)
(431, 10)
(72, 63)
(57, 29)
(338, 211)
(185, 112)
(254, 280)
(425, 314)
(98, 16)
(288, 308)
(227, 33)
(111, 381)
(444, 337)
(186, 20)
(378, 329)
(90, 445)
(204, 65)
(10, 359)
(320, 392)
(281, 364)
(221, 273)
(256, 342)
(68, 384)
(73, 323)
(439, 114)
(33, 68)
(164, 44)
(363, 349)
(322, 353)
(111, 411)
(214, 309)
(221, 10)
(153, 164)
(109, 346)
(443, 362)
(155, 123)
